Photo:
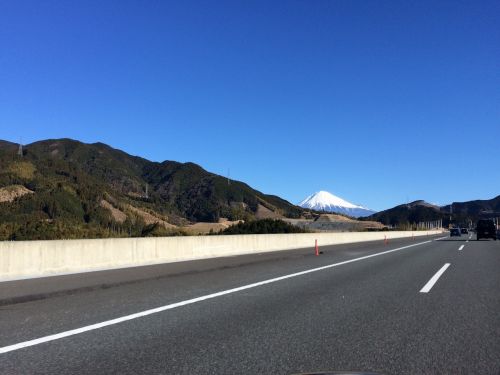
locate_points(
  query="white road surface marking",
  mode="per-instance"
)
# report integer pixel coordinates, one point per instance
(141, 314)
(440, 238)
(427, 287)
(461, 248)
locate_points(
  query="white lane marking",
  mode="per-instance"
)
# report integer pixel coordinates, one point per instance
(427, 287)
(461, 247)
(141, 314)
(440, 238)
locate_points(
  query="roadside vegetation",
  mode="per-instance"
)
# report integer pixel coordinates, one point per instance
(263, 226)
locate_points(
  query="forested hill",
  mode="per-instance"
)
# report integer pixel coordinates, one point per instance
(461, 213)
(62, 188)
(414, 212)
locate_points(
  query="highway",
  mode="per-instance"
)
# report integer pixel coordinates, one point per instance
(428, 305)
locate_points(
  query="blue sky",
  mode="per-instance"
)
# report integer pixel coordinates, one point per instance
(375, 101)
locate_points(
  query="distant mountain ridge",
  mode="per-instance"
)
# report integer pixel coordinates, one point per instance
(462, 213)
(414, 212)
(327, 202)
(475, 209)
(95, 188)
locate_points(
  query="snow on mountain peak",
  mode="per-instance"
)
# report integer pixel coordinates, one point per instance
(325, 201)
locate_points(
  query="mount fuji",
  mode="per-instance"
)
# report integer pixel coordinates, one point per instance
(325, 201)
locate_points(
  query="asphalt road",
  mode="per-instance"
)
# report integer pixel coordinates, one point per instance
(370, 306)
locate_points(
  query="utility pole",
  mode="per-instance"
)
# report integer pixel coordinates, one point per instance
(20, 150)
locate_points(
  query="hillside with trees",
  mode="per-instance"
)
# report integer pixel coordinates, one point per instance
(63, 188)
(457, 213)
(406, 215)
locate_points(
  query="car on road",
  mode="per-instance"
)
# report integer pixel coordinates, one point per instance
(486, 229)
(464, 231)
(455, 232)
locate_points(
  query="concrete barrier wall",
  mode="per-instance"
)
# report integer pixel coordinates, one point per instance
(24, 259)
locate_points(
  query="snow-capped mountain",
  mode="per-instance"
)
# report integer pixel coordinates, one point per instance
(325, 201)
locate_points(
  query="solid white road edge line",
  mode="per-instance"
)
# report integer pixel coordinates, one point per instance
(461, 247)
(427, 287)
(141, 314)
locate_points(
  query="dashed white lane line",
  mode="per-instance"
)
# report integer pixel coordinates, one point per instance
(141, 314)
(427, 287)
(461, 248)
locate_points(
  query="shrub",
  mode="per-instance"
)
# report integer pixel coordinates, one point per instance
(263, 226)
